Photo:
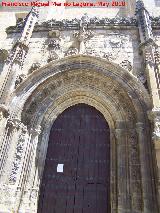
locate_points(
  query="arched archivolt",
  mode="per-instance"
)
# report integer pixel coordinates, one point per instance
(113, 91)
(99, 78)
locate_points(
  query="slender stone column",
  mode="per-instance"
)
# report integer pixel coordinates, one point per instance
(135, 172)
(30, 172)
(9, 139)
(148, 187)
(18, 156)
(7, 155)
(154, 117)
(113, 174)
(124, 200)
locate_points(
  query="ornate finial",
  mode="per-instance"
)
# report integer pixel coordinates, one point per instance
(84, 21)
(35, 11)
(139, 5)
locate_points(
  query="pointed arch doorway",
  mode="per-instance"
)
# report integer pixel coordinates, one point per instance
(76, 177)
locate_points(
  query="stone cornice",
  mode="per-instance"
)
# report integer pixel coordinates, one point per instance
(74, 24)
(93, 23)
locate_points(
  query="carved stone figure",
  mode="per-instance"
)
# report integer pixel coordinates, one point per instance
(72, 51)
(20, 79)
(34, 67)
(54, 44)
(126, 65)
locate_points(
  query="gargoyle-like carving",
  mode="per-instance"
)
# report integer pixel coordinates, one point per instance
(126, 65)
(72, 51)
(108, 56)
(52, 56)
(115, 42)
(34, 67)
(142, 78)
(53, 44)
(83, 35)
(19, 79)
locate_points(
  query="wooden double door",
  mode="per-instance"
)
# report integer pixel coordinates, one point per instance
(76, 177)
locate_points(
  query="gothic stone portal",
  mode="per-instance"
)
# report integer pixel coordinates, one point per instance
(76, 175)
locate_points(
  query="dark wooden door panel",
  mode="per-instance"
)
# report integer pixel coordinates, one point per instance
(79, 144)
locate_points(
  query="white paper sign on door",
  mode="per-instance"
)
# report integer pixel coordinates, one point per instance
(60, 167)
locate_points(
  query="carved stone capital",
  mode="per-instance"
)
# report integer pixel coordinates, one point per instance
(154, 114)
(35, 132)
(140, 127)
(14, 123)
(24, 128)
(119, 133)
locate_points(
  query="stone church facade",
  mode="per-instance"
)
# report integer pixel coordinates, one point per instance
(109, 63)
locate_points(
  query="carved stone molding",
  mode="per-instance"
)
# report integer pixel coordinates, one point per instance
(94, 22)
